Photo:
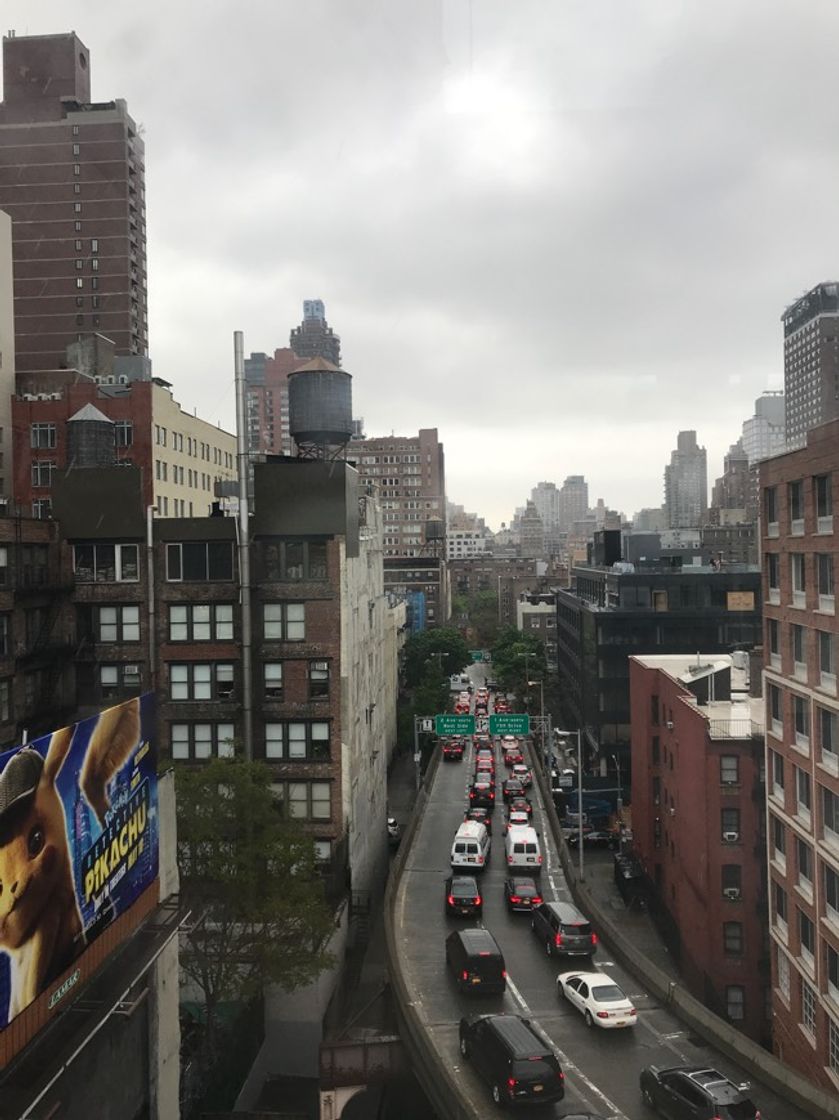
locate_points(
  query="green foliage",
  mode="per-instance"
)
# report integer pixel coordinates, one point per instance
(446, 647)
(258, 908)
(431, 696)
(514, 656)
(479, 613)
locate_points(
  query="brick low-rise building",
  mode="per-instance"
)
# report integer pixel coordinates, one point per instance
(799, 492)
(698, 804)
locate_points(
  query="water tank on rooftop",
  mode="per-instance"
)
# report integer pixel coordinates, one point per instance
(320, 408)
(434, 530)
(90, 439)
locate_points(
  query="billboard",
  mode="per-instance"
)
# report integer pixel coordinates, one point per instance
(78, 845)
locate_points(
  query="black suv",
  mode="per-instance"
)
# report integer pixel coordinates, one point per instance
(694, 1093)
(513, 1058)
(564, 930)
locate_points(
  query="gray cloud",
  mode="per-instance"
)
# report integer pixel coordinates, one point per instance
(558, 242)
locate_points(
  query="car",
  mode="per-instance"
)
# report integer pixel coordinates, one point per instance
(461, 708)
(463, 899)
(511, 787)
(512, 756)
(593, 838)
(484, 750)
(476, 962)
(519, 805)
(564, 931)
(482, 794)
(481, 815)
(698, 1092)
(516, 818)
(394, 832)
(521, 893)
(523, 774)
(485, 773)
(598, 998)
(501, 706)
(453, 750)
(513, 1058)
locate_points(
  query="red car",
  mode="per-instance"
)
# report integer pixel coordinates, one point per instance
(513, 757)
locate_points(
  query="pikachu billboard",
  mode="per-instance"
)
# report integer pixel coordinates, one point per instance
(78, 845)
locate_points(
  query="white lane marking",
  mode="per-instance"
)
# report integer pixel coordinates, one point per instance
(565, 1061)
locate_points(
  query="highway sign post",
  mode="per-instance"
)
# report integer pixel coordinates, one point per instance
(476, 654)
(509, 724)
(454, 725)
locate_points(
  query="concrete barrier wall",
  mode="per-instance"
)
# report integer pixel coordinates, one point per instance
(432, 1069)
(759, 1062)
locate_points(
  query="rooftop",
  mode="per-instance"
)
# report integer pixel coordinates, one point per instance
(739, 717)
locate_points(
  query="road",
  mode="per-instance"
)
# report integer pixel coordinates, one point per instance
(601, 1067)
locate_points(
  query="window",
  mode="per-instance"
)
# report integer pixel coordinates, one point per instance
(201, 681)
(273, 677)
(773, 634)
(732, 938)
(42, 435)
(195, 561)
(123, 429)
(776, 719)
(828, 741)
(824, 575)
(823, 495)
(803, 792)
(783, 972)
(202, 740)
(773, 576)
(94, 244)
(735, 1005)
(117, 679)
(731, 878)
(806, 935)
(801, 720)
(770, 502)
(780, 903)
(729, 770)
(304, 800)
(5, 701)
(730, 825)
(830, 815)
(76, 168)
(119, 624)
(831, 892)
(318, 679)
(827, 660)
(79, 282)
(776, 763)
(285, 622)
(77, 226)
(795, 495)
(94, 264)
(297, 740)
(832, 969)
(779, 840)
(804, 863)
(294, 560)
(42, 472)
(106, 563)
(798, 654)
(808, 1007)
(799, 584)
(201, 622)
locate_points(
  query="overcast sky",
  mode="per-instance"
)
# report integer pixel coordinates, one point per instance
(558, 231)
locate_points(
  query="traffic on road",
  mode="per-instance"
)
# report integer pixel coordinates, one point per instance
(565, 1029)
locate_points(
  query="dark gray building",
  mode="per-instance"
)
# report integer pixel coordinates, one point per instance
(811, 361)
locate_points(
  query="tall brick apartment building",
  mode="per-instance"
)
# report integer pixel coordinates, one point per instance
(72, 178)
(799, 492)
(698, 824)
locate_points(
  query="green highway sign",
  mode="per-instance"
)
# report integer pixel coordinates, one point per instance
(509, 724)
(454, 725)
(476, 654)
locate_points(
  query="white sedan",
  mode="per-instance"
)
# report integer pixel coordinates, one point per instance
(598, 998)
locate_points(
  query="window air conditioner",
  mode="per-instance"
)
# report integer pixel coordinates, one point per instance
(731, 837)
(731, 893)
(669, 725)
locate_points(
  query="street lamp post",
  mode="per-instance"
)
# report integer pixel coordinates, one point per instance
(546, 734)
(579, 797)
(620, 798)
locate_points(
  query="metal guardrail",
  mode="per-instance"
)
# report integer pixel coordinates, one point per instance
(735, 729)
(779, 1077)
(432, 1071)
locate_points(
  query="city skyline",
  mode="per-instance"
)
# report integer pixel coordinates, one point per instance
(434, 167)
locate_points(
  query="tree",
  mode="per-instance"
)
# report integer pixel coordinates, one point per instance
(515, 656)
(478, 613)
(446, 646)
(258, 909)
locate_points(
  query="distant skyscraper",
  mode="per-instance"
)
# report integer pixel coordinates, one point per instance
(314, 338)
(266, 381)
(733, 490)
(73, 182)
(532, 535)
(545, 497)
(764, 433)
(573, 501)
(686, 483)
(811, 361)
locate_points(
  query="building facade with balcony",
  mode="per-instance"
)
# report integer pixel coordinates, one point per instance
(698, 804)
(799, 491)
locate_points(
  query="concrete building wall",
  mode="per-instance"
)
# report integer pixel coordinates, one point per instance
(7, 355)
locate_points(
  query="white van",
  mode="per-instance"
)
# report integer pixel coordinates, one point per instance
(470, 847)
(523, 850)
